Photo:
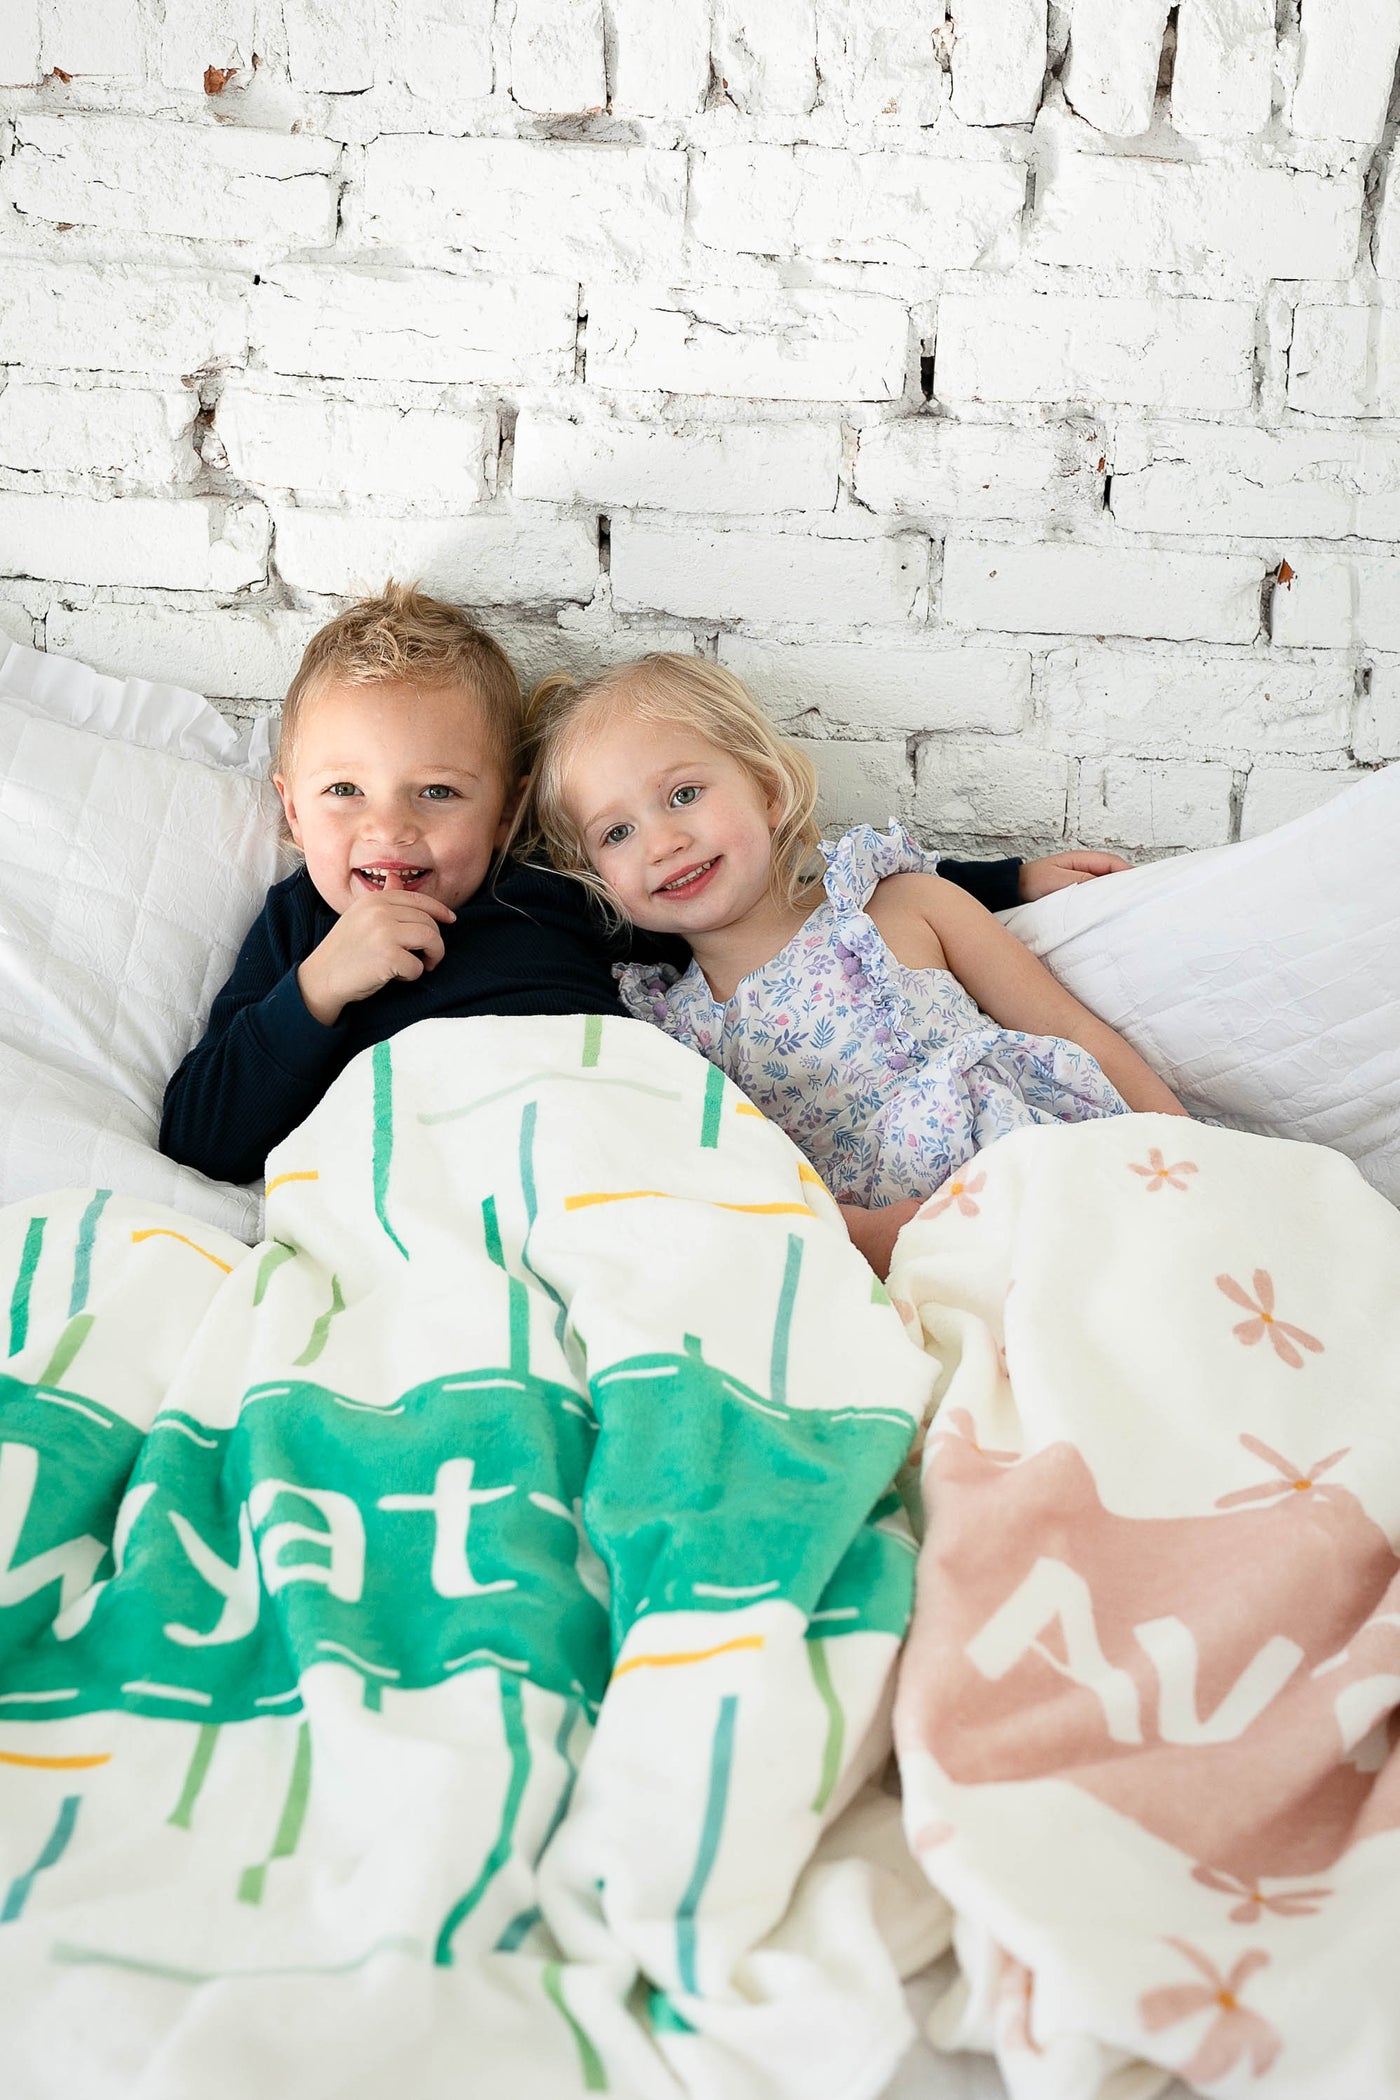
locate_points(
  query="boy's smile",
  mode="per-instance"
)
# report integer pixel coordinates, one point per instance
(395, 787)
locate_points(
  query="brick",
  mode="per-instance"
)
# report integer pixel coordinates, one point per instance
(1110, 77)
(728, 467)
(329, 448)
(927, 467)
(191, 544)
(415, 325)
(235, 655)
(878, 60)
(1338, 601)
(139, 175)
(1030, 589)
(661, 63)
(1345, 361)
(1223, 74)
(81, 38)
(442, 50)
(841, 206)
(1105, 699)
(1190, 477)
(1378, 714)
(787, 346)
(119, 317)
(582, 642)
(777, 578)
(331, 50)
(202, 33)
(19, 43)
(1275, 795)
(894, 690)
(556, 55)
(566, 208)
(1102, 211)
(498, 560)
(766, 58)
(16, 622)
(1151, 353)
(989, 790)
(998, 61)
(857, 783)
(108, 430)
(1123, 802)
(1346, 64)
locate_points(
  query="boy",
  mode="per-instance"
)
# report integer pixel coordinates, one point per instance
(398, 769)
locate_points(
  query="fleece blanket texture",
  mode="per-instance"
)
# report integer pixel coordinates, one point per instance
(1147, 1718)
(433, 1641)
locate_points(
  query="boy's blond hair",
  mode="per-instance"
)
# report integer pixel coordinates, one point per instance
(406, 637)
(695, 694)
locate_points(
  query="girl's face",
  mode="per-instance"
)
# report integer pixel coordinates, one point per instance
(680, 831)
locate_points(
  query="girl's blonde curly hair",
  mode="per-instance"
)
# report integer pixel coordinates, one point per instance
(693, 693)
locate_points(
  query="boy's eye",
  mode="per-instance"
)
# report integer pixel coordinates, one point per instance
(684, 796)
(439, 792)
(342, 787)
(615, 837)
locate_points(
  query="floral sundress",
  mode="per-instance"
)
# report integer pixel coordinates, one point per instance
(889, 1079)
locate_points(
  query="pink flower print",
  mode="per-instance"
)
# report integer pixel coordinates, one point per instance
(1284, 1903)
(1159, 1175)
(1281, 1335)
(930, 1834)
(1234, 2034)
(1015, 2006)
(958, 1422)
(960, 1192)
(1292, 1480)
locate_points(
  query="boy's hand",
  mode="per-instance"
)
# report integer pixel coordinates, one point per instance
(1059, 871)
(384, 934)
(874, 1232)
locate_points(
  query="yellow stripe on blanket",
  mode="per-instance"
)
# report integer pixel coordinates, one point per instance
(760, 1210)
(55, 1764)
(278, 1180)
(163, 1232)
(693, 1655)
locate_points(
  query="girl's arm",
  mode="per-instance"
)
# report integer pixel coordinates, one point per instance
(1017, 991)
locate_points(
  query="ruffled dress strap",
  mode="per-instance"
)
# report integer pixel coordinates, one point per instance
(864, 857)
(855, 865)
(643, 990)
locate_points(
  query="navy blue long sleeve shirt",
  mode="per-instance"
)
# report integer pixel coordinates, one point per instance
(528, 942)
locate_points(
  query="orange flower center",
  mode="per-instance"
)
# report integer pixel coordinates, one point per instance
(1299, 1485)
(957, 1188)
(1227, 1999)
(1267, 1318)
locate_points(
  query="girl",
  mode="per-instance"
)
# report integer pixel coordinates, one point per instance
(878, 1013)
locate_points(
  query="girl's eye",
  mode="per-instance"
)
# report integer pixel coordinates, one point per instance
(342, 788)
(615, 837)
(684, 796)
(439, 792)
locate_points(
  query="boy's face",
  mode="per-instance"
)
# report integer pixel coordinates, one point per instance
(395, 786)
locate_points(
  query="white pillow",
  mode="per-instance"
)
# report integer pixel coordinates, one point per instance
(1261, 980)
(138, 836)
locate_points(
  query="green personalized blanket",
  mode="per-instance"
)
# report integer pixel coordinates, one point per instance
(433, 1641)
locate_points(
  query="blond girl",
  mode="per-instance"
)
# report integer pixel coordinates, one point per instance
(875, 1010)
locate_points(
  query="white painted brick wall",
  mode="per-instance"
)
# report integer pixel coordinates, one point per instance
(1019, 587)
(136, 175)
(1181, 353)
(828, 206)
(960, 377)
(730, 467)
(786, 346)
(1222, 81)
(773, 579)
